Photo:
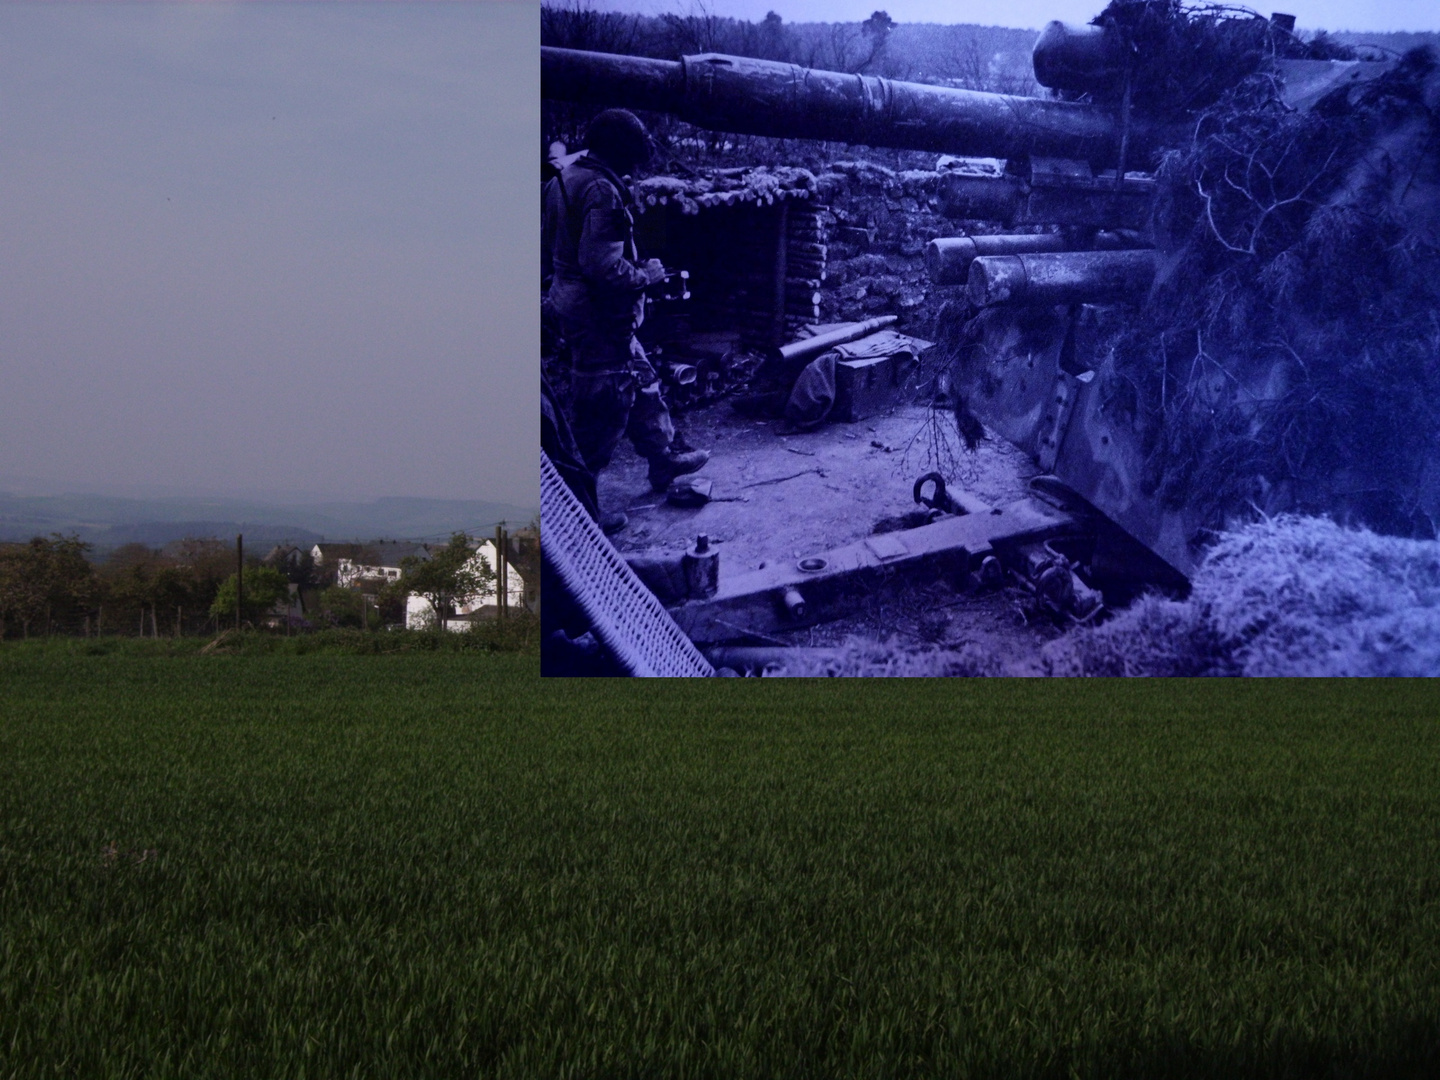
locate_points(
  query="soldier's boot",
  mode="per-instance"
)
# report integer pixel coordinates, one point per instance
(613, 522)
(667, 467)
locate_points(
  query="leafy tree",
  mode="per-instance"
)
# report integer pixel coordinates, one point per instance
(171, 591)
(130, 578)
(450, 575)
(22, 586)
(300, 570)
(46, 578)
(340, 606)
(264, 588)
(877, 29)
(208, 562)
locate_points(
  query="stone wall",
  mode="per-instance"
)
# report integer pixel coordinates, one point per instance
(879, 221)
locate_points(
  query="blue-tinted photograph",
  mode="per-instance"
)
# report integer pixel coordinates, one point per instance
(1006, 340)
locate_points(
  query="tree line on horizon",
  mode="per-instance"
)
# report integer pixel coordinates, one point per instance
(964, 55)
(49, 585)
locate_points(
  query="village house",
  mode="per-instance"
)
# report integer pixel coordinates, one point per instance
(367, 566)
(419, 614)
(371, 566)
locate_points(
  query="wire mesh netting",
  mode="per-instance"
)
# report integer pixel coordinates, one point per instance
(623, 613)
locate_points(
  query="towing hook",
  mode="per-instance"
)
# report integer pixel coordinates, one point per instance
(940, 500)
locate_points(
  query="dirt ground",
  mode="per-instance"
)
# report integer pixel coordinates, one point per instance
(796, 494)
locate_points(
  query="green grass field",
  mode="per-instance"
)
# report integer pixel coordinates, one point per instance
(434, 865)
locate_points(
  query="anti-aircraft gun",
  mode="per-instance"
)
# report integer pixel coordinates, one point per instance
(1113, 200)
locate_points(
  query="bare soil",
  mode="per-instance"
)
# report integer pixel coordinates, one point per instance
(797, 494)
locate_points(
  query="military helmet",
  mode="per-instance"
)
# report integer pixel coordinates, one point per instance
(618, 137)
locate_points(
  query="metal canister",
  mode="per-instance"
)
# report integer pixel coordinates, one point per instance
(701, 565)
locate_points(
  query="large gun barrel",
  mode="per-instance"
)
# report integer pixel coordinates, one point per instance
(763, 97)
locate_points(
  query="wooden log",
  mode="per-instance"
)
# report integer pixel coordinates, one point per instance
(814, 346)
(948, 259)
(982, 198)
(1061, 278)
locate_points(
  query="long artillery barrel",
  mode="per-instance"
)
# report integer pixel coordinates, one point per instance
(764, 97)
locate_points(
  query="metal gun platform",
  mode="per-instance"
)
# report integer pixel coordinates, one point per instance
(824, 585)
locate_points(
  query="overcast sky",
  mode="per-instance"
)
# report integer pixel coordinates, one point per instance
(1310, 14)
(270, 249)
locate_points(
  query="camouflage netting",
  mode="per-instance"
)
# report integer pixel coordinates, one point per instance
(1288, 358)
(758, 185)
(1284, 596)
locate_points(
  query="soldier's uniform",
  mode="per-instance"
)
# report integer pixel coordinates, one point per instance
(596, 293)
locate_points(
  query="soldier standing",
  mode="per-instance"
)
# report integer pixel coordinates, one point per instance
(597, 292)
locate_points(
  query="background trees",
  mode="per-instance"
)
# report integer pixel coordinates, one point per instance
(264, 588)
(48, 585)
(128, 577)
(45, 584)
(923, 52)
(169, 589)
(339, 606)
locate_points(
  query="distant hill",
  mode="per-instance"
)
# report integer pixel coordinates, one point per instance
(107, 522)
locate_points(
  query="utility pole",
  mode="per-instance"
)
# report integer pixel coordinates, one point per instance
(501, 592)
(239, 577)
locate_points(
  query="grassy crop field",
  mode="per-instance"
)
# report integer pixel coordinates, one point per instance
(432, 864)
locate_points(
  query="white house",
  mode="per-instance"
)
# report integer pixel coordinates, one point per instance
(351, 572)
(366, 564)
(419, 614)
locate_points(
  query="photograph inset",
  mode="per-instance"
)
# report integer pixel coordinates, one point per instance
(875, 348)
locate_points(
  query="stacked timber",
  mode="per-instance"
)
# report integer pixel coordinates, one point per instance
(712, 188)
